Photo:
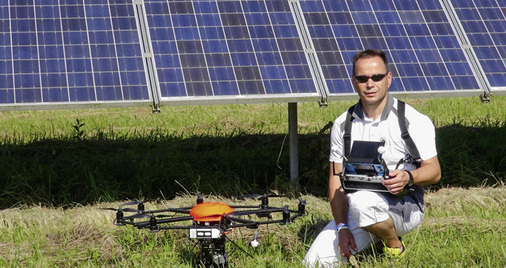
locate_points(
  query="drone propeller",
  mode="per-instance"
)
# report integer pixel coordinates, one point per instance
(146, 215)
(258, 196)
(136, 202)
(122, 209)
(139, 203)
(113, 209)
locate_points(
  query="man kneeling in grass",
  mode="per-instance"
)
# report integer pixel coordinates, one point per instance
(363, 218)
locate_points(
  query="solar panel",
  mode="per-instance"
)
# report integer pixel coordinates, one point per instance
(227, 48)
(69, 51)
(425, 55)
(222, 51)
(485, 25)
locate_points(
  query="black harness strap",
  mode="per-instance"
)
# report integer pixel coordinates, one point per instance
(347, 132)
(401, 114)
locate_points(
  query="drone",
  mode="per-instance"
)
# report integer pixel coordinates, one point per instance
(208, 222)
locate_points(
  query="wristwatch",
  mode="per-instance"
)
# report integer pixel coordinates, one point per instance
(411, 181)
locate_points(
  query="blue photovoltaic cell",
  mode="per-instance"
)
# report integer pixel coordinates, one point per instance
(68, 51)
(420, 43)
(485, 25)
(222, 48)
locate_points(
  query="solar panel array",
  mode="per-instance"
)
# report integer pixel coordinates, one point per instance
(63, 51)
(82, 52)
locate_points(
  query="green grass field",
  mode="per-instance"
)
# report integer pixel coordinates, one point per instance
(463, 228)
(59, 167)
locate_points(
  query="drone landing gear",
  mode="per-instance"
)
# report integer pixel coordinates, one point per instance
(212, 254)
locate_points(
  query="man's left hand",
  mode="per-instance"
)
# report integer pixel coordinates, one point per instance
(398, 179)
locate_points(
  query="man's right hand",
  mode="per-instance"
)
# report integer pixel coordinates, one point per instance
(346, 241)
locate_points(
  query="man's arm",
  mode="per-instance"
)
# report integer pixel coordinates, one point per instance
(339, 205)
(428, 173)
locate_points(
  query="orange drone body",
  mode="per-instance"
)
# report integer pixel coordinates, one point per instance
(210, 211)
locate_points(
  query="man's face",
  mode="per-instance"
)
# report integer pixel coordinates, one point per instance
(371, 92)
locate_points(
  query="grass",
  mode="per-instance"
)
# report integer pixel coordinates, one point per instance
(463, 228)
(59, 167)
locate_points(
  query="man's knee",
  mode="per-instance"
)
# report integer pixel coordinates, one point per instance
(364, 200)
(367, 208)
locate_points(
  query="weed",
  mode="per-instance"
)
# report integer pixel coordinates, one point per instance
(78, 130)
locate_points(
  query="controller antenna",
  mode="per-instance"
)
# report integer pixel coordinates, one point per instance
(381, 151)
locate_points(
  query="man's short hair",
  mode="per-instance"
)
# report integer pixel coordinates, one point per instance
(369, 53)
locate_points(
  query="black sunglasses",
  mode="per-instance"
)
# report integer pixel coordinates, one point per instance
(374, 77)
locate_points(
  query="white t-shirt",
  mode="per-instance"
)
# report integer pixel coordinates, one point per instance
(386, 128)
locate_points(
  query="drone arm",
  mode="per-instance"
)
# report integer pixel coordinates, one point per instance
(143, 224)
(257, 211)
(243, 222)
(176, 210)
(176, 219)
(292, 218)
(125, 222)
(236, 207)
(281, 221)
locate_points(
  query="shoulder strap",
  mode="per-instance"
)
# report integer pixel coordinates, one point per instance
(347, 131)
(401, 114)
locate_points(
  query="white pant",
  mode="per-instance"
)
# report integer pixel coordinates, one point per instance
(365, 208)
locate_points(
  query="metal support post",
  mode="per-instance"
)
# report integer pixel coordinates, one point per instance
(294, 143)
